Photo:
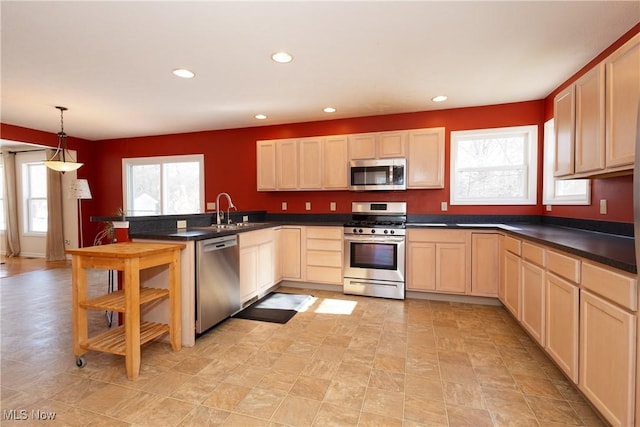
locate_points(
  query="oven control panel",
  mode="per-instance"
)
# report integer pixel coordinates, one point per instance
(375, 231)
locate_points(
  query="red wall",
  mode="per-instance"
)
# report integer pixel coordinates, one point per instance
(230, 159)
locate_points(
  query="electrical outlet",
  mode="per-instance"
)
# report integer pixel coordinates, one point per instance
(307, 206)
(245, 218)
(548, 207)
(443, 206)
(332, 206)
(211, 206)
(603, 207)
(284, 206)
(181, 223)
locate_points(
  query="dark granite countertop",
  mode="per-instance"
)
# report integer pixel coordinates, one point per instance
(609, 249)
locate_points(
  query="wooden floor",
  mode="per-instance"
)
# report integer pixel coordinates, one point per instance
(10, 266)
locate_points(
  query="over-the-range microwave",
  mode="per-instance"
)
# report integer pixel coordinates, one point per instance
(381, 174)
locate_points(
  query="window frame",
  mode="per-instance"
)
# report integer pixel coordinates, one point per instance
(550, 195)
(128, 163)
(530, 167)
(27, 198)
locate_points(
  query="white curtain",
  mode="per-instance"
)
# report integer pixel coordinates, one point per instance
(12, 235)
(55, 230)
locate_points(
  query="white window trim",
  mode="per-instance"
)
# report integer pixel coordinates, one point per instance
(531, 168)
(136, 161)
(549, 196)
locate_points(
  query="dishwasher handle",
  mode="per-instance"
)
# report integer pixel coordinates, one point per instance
(219, 243)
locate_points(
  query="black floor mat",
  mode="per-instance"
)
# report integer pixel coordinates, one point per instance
(276, 307)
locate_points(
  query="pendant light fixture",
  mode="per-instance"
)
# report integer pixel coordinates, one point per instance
(64, 165)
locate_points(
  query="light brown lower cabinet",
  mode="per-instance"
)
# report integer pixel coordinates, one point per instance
(512, 282)
(533, 301)
(485, 264)
(323, 260)
(607, 358)
(561, 324)
(290, 244)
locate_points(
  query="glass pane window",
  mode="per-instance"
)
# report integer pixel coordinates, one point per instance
(35, 197)
(494, 166)
(164, 185)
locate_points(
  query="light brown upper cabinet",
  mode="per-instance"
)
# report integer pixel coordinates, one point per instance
(379, 145)
(595, 117)
(622, 71)
(425, 158)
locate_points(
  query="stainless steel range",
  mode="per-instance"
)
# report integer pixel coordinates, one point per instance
(374, 245)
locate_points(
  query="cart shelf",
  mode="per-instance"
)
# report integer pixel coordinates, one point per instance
(114, 341)
(116, 301)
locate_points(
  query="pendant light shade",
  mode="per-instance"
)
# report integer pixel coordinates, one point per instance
(62, 165)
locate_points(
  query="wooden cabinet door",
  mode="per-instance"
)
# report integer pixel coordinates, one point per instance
(512, 278)
(589, 136)
(265, 267)
(310, 167)
(362, 146)
(392, 144)
(607, 358)
(561, 324)
(266, 165)
(290, 253)
(421, 266)
(451, 267)
(248, 273)
(287, 164)
(564, 124)
(425, 158)
(533, 301)
(623, 91)
(485, 264)
(336, 163)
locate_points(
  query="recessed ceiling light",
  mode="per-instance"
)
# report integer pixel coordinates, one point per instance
(282, 57)
(329, 110)
(184, 73)
(260, 116)
(439, 98)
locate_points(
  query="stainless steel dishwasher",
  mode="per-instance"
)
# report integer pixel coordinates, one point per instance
(217, 281)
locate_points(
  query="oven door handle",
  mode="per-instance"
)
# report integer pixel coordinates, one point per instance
(374, 239)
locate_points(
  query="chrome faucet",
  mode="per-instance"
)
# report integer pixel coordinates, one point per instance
(230, 205)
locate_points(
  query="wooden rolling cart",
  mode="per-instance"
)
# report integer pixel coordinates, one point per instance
(125, 340)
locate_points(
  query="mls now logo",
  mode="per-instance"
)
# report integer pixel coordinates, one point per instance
(23, 414)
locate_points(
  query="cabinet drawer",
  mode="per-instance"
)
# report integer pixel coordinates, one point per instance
(564, 266)
(329, 233)
(324, 245)
(448, 236)
(533, 253)
(253, 238)
(611, 285)
(324, 275)
(324, 258)
(512, 245)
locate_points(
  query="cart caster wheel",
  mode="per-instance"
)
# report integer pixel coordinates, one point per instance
(80, 362)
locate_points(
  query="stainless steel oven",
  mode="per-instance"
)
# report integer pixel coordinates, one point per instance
(374, 250)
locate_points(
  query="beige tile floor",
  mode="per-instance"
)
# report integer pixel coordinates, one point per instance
(347, 361)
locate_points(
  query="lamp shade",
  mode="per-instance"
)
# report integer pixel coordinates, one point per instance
(80, 189)
(59, 166)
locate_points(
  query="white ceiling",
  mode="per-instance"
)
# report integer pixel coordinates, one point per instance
(110, 62)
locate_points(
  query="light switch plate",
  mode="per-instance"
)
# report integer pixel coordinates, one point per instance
(181, 223)
(548, 207)
(284, 206)
(211, 206)
(603, 206)
(245, 218)
(307, 206)
(332, 206)
(443, 206)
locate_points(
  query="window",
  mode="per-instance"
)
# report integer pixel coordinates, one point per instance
(494, 166)
(163, 185)
(559, 191)
(34, 176)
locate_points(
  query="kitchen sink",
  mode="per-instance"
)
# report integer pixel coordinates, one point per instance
(237, 226)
